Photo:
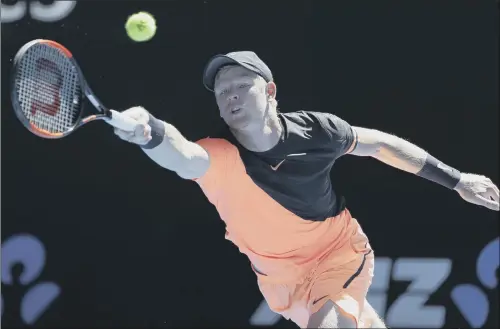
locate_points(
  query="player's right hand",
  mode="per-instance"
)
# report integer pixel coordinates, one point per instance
(479, 190)
(142, 133)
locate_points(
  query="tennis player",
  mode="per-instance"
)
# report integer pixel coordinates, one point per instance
(269, 179)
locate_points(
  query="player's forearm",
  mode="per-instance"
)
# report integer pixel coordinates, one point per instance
(400, 154)
(404, 155)
(174, 152)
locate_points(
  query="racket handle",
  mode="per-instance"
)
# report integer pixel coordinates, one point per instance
(121, 121)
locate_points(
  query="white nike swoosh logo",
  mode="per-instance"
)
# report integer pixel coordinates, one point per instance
(440, 166)
(278, 165)
(289, 155)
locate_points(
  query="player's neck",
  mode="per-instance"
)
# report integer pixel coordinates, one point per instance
(264, 137)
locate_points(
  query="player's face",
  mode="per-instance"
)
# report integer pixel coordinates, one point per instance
(241, 97)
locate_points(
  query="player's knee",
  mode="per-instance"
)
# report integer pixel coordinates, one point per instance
(329, 316)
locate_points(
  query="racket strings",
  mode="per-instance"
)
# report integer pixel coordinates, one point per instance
(48, 89)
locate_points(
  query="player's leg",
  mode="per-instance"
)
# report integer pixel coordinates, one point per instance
(370, 318)
(348, 284)
(331, 316)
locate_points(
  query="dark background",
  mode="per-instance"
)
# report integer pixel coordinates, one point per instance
(132, 244)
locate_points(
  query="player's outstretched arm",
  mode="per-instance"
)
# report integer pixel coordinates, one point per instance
(165, 145)
(406, 156)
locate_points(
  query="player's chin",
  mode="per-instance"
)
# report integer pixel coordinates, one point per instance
(237, 123)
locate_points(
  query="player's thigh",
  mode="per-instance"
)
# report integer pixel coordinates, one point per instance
(331, 316)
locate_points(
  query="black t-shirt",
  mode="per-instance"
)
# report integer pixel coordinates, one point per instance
(296, 172)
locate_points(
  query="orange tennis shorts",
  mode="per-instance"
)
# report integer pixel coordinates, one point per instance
(342, 276)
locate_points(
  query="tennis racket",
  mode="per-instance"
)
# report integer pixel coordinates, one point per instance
(48, 90)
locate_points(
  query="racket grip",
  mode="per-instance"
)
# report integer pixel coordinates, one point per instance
(121, 121)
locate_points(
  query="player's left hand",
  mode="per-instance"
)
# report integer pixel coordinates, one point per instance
(478, 190)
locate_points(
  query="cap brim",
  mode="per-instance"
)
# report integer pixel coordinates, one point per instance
(213, 66)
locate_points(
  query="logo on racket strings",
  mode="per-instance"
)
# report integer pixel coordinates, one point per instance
(48, 83)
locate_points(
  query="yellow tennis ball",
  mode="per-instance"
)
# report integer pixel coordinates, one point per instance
(141, 26)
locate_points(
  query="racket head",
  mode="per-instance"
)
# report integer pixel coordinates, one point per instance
(47, 89)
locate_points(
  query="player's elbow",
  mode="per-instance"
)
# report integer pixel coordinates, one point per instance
(195, 162)
(175, 153)
(369, 142)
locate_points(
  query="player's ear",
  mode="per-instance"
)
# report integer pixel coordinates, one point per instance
(271, 89)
